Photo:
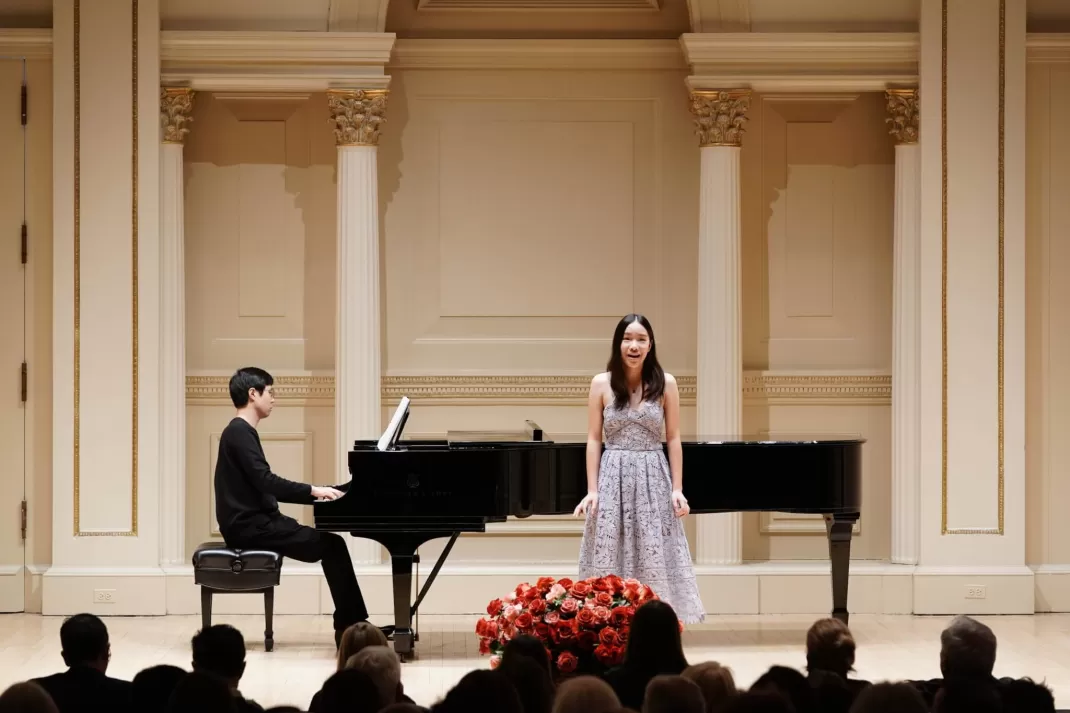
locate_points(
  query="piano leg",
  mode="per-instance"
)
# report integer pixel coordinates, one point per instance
(839, 529)
(401, 568)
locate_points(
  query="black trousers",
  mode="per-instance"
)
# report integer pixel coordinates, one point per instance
(305, 544)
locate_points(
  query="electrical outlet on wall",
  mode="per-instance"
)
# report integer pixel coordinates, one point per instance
(975, 591)
(103, 596)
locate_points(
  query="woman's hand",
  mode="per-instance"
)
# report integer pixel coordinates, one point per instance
(679, 503)
(587, 505)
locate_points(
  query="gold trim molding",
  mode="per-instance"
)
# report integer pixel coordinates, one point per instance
(999, 529)
(176, 110)
(758, 388)
(357, 115)
(132, 532)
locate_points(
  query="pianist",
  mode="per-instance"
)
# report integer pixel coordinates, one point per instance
(247, 496)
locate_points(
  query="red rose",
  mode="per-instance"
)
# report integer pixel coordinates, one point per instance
(537, 606)
(525, 621)
(495, 607)
(570, 606)
(615, 583)
(580, 590)
(492, 630)
(601, 614)
(542, 630)
(602, 584)
(495, 661)
(604, 654)
(567, 662)
(621, 616)
(565, 582)
(562, 631)
(587, 639)
(484, 646)
(552, 617)
(586, 618)
(544, 584)
(609, 637)
(603, 599)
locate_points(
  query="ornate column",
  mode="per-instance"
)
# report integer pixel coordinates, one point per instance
(902, 107)
(357, 116)
(719, 118)
(176, 108)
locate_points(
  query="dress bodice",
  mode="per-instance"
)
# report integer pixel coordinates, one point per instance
(635, 428)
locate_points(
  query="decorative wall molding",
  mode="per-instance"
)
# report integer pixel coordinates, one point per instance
(281, 61)
(759, 388)
(496, 5)
(26, 43)
(619, 55)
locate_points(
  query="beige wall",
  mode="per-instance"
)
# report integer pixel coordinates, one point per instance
(496, 188)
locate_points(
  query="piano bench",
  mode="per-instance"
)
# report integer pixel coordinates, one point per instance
(219, 569)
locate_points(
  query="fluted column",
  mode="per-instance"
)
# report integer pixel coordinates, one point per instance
(176, 107)
(719, 119)
(357, 115)
(906, 417)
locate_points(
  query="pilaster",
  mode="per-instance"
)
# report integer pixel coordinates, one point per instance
(902, 105)
(719, 122)
(176, 109)
(357, 116)
(106, 309)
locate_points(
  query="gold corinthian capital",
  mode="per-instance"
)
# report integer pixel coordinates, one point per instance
(902, 105)
(176, 110)
(720, 115)
(357, 115)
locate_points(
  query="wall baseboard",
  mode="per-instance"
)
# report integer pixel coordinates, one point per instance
(465, 589)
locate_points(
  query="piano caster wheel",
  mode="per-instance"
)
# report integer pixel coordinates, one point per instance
(269, 644)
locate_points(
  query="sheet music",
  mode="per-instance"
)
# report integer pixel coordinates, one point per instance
(392, 432)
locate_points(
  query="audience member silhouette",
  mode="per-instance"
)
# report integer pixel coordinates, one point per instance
(152, 688)
(220, 651)
(654, 647)
(85, 685)
(26, 697)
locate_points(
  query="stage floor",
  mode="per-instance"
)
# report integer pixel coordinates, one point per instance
(889, 647)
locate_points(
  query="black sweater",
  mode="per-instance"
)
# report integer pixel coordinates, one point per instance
(247, 493)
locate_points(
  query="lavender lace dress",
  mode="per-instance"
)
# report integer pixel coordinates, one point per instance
(634, 531)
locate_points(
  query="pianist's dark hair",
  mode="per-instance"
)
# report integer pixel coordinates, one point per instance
(653, 375)
(248, 377)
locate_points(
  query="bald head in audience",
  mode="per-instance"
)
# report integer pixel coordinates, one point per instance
(26, 697)
(585, 694)
(967, 649)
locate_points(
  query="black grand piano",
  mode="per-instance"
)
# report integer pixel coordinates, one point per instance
(404, 493)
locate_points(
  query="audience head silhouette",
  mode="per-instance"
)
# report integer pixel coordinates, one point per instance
(673, 694)
(384, 669)
(152, 687)
(356, 637)
(967, 649)
(789, 683)
(220, 650)
(654, 643)
(26, 697)
(830, 647)
(201, 692)
(585, 694)
(889, 698)
(529, 646)
(481, 690)
(84, 639)
(716, 682)
(349, 691)
(531, 679)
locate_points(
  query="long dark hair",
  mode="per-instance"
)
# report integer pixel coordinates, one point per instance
(654, 644)
(653, 375)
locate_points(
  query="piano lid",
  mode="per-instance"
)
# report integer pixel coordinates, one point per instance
(776, 438)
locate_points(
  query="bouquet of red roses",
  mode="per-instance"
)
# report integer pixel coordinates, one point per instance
(583, 625)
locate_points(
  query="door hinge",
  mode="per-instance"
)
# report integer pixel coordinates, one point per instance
(25, 382)
(23, 519)
(25, 243)
(24, 105)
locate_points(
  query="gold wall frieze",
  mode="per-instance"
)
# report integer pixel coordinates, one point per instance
(720, 116)
(551, 390)
(903, 106)
(176, 111)
(357, 115)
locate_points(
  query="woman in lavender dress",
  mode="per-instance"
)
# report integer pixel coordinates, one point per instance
(635, 497)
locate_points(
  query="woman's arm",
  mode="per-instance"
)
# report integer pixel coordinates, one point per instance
(672, 432)
(594, 431)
